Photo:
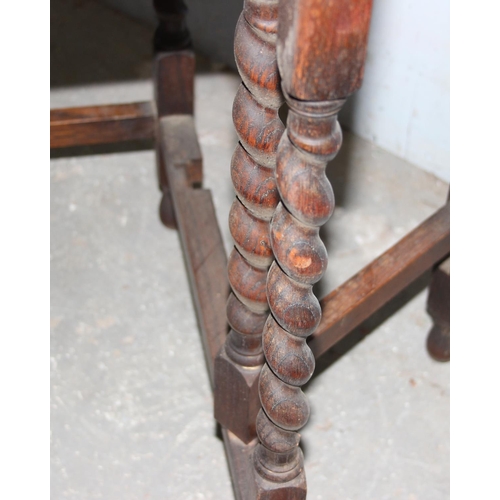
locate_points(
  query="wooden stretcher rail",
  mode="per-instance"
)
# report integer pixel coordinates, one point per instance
(357, 299)
(109, 124)
(200, 236)
(206, 263)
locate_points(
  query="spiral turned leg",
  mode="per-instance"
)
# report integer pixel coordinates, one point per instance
(259, 128)
(313, 138)
(321, 48)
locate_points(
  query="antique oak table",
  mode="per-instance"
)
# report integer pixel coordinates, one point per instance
(263, 328)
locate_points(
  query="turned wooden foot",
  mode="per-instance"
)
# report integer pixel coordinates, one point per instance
(438, 307)
(173, 77)
(296, 489)
(166, 209)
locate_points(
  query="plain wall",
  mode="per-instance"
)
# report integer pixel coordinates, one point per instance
(404, 103)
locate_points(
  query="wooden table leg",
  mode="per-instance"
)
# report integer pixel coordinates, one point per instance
(255, 116)
(109, 124)
(173, 78)
(438, 307)
(321, 51)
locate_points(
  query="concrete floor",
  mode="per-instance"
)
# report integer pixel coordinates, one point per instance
(131, 406)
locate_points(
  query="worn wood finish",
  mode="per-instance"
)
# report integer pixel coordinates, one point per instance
(438, 307)
(206, 264)
(301, 259)
(239, 458)
(90, 125)
(321, 49)
(358, 298)
(200, 236)
(173, 82)
(173, 77)
(255, 116)
(174, 94)
(321, 52)
(189, 208)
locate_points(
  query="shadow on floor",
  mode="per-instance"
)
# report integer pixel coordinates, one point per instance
(103, 149)
(91, 43)
(372, 323)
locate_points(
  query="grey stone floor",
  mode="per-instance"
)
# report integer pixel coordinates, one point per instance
(131, 403)
(131, 406)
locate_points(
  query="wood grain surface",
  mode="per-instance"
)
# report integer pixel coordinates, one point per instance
(108, 124)
(438, 307)
(351, 303)
(321, 49)
(259, 128)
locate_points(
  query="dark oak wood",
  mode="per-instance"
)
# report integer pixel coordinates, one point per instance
(173, 78)
(324, 47)
(206, 263)
(438, 307)
(189, 208)
(239, 459)
(199, 233)
(198, 217)
(259, 128)
(321, 50)
(108, 124)
(358, 298)
(173, 82)
(172, 33)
